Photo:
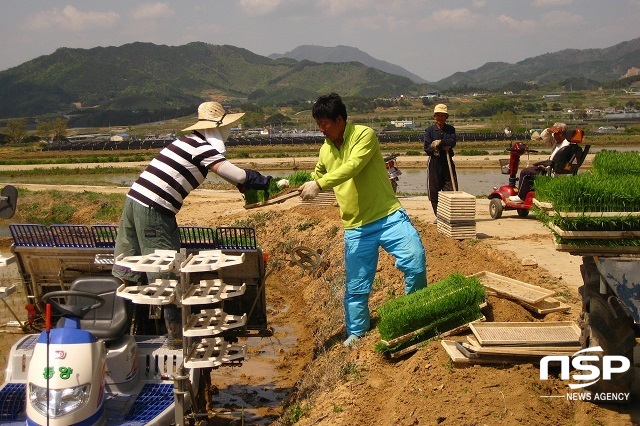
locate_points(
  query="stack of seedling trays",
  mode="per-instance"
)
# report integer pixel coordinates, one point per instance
(456, 216)
(444, 308)
(514, 342)
(597, 213)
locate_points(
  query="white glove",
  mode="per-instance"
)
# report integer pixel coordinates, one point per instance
(283, 183)
(310, 190)
(435, 144)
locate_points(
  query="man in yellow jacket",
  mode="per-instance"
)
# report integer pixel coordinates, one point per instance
(350, 162)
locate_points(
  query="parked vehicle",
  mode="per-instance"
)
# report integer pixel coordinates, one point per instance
(610, 315)
(568, 161)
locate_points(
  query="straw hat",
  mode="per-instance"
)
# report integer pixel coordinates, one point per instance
(440, 108)
(212, 114)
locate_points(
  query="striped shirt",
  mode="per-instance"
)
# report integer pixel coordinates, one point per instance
(177, 170)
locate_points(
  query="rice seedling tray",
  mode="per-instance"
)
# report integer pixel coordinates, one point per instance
(280, 198)
(473, 346)
(546, 306)
(518, 351)
(526, 333)
(512, 289)
(452, 349)
(542, 205)
(324, 198)
(568, 235)
(471, 339)
(597, 250)
(409, 349)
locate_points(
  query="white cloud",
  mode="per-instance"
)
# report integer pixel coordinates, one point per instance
(560, 19)
(71, 19)
(547, 3)
(338, 7)
(460, 16)
(514, 24)
(149, 11)
(479, 3)
(259, 7)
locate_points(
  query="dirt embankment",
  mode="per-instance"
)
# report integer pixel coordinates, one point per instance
(320, 382)
(337, 386)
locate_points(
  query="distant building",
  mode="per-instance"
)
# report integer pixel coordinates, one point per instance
(407, 124)
(120, 137)
(550, 96)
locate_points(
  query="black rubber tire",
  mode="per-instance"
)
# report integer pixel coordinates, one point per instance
(495, 208)
(523, 212)
(605, 324)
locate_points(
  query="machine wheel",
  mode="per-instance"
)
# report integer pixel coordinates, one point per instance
(604, 323)
(523, 212)
(495, 208)
(306, 258)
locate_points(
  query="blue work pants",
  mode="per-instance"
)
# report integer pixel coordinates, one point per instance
(397, 236)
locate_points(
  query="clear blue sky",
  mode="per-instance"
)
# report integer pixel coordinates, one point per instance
(432, 39)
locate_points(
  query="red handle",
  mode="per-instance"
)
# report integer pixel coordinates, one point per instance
(47, 317)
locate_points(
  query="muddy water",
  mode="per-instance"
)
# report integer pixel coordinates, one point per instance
(246, 392)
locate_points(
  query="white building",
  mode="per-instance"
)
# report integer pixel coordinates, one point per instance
(407, 124)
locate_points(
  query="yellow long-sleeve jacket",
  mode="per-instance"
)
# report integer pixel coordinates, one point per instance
(358, 176)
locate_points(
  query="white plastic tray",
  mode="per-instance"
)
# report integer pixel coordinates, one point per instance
(210, 322)
(159, 292)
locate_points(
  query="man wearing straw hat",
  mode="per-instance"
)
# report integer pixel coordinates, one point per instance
(148, 221)
(439, 140)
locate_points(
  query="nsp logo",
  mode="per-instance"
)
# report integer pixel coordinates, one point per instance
(611, 364)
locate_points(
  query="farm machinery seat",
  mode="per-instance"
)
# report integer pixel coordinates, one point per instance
(108, 322)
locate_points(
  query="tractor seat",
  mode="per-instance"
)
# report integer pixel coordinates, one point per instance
(108, 322)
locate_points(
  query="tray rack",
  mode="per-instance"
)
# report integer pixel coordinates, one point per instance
(202, 346)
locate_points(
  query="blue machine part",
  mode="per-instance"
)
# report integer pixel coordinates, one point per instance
(12, 401)
(623, 277)
(67, 336)
(153, 399)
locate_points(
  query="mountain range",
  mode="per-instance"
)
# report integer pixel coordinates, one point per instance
(140, 77)
(345, 54)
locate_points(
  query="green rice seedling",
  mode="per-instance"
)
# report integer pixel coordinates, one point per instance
(590, 193)
(615, 163)
(435, 291)
(448, 322)
(585, 223)
(429, 306)
(253, 196)
(611, 243)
